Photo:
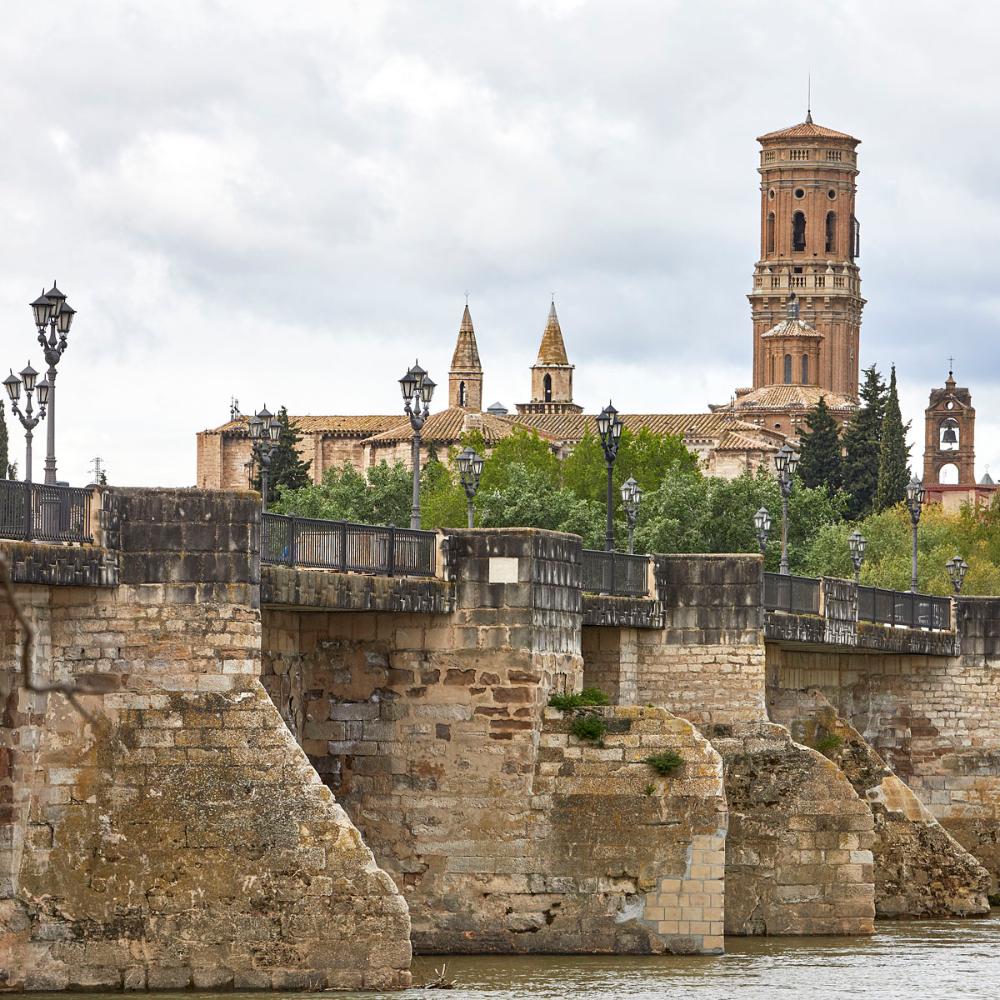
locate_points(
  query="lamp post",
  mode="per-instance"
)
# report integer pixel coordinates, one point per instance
(610, 429)
(470, 469)
(51, 310)
(762, 525)
(29, 421)
(785, 462)
(858, 543)
(631, 499)
(417, 388)
(915, 494)
(265, 432)
(957, 568)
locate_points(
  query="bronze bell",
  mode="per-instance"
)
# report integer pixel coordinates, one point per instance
(949, 436)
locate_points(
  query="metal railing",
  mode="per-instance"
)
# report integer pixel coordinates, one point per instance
(794, 594)
(36, 512)
(894, 607)
(347, 547)
(617, 573)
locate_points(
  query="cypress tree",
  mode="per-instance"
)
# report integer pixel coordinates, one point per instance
(821, 462)
(894, 453)
(861, 445)
(4, 456)
(287, 467)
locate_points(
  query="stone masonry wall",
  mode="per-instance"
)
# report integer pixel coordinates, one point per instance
(178, 837)
(933, 720)
(920, 870)
(611, 661)
(707, 665)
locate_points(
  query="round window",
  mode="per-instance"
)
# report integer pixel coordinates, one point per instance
(831, 194)
(950, 406)
(770, 194)
(799, 193)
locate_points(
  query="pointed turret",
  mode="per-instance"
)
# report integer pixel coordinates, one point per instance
(465, 379)
(551, 374)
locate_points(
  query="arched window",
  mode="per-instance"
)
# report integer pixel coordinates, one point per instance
(769, 236)
(831, 232)
(799, 231)
(547, 383)
(948, 475)
(949, 435)
(788, 369)
(805, 369)
(461, 394)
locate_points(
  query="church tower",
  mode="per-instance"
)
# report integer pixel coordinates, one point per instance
(465, 379)
(551, 374)
(809, 245)
(949, 437)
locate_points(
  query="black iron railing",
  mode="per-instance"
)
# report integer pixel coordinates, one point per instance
(893, 607)
(34, 511)
(617, 573)
(347, 547)
(794, 594)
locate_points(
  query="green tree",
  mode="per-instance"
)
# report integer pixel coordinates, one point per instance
(287, 468)
(521, 447)
(861, 439)
(821, 462)
(5, 466)
(383, 497)
(894, 452)
(442, 499)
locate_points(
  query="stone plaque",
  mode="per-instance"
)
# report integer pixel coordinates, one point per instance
(503, 569)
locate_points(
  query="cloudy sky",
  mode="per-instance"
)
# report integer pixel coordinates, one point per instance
(286, 203)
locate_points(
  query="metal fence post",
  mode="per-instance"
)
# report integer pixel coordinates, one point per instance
(343, 546)
(391, 555)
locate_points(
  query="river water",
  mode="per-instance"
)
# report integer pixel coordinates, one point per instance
(934, 959)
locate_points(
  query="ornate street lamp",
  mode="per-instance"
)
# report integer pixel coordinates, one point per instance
(858, 543)
(418, 389)
(51, 310)
(610, 429)
(915, 494)
(957, 568)
(631, 499)
(29, 421)
(785, 462)
(265, 433)
(762, 525)
(470, 470)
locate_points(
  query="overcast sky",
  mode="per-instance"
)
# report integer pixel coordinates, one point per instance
(286, 203)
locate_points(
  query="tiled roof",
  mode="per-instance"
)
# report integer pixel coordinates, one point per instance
(466, 356)
(552, 350)
(777, 397)
(448, 426)
(360, 425)
(572, 426)
(735, 441)
(793, 328)
(806, 130)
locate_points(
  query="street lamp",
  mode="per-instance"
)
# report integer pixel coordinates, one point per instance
(957, 568)
(417, 388)
(785, 462)
(762, 525)
(29, 422)
(610, 429)
(470, 469)
(915, 494)
(858, 543)
(265, 433)
(52, 310)
(631, 499)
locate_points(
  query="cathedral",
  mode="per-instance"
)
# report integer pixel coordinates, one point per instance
(805, 307)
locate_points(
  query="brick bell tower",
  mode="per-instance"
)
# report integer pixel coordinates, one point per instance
(809, 245)
(949, 436)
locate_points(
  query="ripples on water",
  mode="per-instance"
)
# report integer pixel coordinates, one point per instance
(935, 960)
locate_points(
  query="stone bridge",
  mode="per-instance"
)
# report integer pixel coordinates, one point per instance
(285, 777)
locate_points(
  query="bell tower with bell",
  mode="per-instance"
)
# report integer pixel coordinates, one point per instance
(949, 436)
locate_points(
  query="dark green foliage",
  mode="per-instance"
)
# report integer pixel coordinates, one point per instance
(861, 440)
(588, 696)
(588, 727)
(828, 743)
(4, 458)
(345, 495)
(821, 462)
(665, 762)
(894, 453)
(287, 469)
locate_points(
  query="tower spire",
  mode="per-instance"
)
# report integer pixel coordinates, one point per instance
(809, 98)
(465, 378)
